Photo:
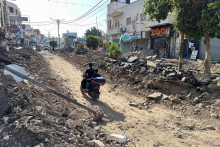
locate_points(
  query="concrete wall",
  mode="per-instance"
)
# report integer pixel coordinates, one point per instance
(215, 49)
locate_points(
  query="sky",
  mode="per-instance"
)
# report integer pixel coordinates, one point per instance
(43, 13)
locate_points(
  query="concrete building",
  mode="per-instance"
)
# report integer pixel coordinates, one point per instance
(127, 27)
(69, 34)
(14, 23)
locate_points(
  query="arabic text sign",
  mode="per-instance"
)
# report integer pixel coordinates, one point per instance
(194, 55)
(13, 29)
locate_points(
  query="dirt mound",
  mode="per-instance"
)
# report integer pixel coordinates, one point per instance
(143, 74)
(31, 116)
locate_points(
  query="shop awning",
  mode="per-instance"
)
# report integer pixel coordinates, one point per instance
(159, 25)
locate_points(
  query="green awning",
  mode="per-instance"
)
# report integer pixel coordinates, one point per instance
(125, 38)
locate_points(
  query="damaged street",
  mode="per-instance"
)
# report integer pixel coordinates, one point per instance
(148, 116)
(109, 73)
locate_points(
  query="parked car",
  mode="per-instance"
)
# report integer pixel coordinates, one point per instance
(46, 48)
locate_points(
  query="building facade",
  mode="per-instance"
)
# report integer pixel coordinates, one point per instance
(127, 28)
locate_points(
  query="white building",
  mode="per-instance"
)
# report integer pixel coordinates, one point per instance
(70, 34)
(127, 27)
(14, 14)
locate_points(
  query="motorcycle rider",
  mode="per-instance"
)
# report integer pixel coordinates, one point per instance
(89, 75)
(96, 73)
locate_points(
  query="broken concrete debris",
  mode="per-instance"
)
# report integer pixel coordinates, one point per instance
(118, 138)
(155, 95)
(34, 117)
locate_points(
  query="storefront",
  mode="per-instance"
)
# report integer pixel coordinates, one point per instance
(161, 39)
(114, 38)
(134, 41)
(127, 45)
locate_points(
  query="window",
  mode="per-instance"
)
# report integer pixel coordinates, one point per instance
(143, 19)
(16, 11)
(12, 22)
(110, 24)
(116, 23)
(11, 9)
(128, 21)
(23, 26)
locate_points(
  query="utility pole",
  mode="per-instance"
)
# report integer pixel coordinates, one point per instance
(58, 24)
(97, 27)
(5, 15)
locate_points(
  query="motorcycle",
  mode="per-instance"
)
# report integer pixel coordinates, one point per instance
(93, 87)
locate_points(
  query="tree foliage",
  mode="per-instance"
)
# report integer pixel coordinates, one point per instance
(93, 31)
(114, 51)
(194, 18)
(92, 42)
(53, 44)
(67, 42)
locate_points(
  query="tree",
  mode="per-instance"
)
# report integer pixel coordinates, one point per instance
(92, 42)
(194, 18)
(93, 31)
(53, 44)
(68, 42)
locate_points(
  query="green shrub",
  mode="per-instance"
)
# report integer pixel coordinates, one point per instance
(53, 44)
(92, 42)
(114, 51)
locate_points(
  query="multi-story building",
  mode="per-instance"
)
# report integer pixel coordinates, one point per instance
(13, 23)
(127, 27)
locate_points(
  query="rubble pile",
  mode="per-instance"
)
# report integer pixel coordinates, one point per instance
(30, 116)
(144, 73)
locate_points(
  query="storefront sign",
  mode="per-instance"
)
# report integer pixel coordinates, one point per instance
(24, 18)
(194, 55)
(125, 38)
(160, 31)
(116, 36)
(135, 36)
(27, 30)
(13, 29)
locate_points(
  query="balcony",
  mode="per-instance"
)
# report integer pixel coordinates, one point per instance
(116, 13)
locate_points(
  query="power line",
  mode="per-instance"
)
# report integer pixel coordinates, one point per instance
(95, 14)
(88, 24)
(67, 3)
(88, 12)
(39, 24)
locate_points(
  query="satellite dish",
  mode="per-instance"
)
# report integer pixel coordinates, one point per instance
(16, 68)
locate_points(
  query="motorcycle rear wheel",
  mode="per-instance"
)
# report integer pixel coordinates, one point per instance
(94, 95)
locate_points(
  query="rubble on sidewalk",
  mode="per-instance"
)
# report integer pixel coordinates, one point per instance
(31, 116)
(144, 73)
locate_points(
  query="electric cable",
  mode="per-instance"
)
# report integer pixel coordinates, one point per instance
(68, 3)
(88, 12)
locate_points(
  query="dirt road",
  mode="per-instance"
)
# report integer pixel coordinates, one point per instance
(157, 126)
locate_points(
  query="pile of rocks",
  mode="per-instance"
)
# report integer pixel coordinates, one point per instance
(30, 116)
(148, 74)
